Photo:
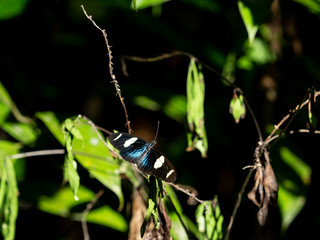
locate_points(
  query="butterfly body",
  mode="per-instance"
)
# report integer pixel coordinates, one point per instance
(143, 154)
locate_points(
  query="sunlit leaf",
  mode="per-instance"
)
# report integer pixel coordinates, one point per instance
(70, 164)
(147, 103)
(53, 124)
(11, 8)
(23, 132)
(259, 53)
(197, 137)
(302, 169)
(4, 111)
(63, 201)
(8, 148)
(93, 155)
(248, 20)
(177, 230)
(152, 205)
(4, 95)
(6, 100)
(290, 205)
(229, 67)
(142, 4)
(175, 108)
(291, 196)
(312, 5)
(209, 220)
(104, 216)
(8, 198)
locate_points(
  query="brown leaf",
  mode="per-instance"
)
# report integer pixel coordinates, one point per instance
(138, 212)
(265, 190)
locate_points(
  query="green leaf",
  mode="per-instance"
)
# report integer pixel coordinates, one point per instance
(259, 53)
(312, 119)
(70, 165)
(197, 137)
(4, 111)
(229, 67)
(312, 5)
(175, 108)
(8, 199)
(72, 175)
(8, 148)
(177, 230)
(152, 205)
(53, 124)
(291, 195)
(248, 20)
(142, 4)
(62, 202)
(23, 132)
(290, 205)
(11, 8)
(302, 169)
(4, 95)
(105, 216)
(209, 220)
(6, 100)
(147, 103)
(237, 107)
(71, 126)
(94, 156)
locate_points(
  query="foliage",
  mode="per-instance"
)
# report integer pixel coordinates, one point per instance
(263, 61)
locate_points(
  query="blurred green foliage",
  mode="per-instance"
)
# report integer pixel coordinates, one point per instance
(53, 67)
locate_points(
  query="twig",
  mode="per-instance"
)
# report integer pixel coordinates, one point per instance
(304, 131)
(294, 112)
(237, 204)
(37, 153)
(90, 205)
(176, 186)
(113, 76)
(181, 53)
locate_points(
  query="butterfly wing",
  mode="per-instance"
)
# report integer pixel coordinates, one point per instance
(148, 160)
(131, 148)
(156, 164)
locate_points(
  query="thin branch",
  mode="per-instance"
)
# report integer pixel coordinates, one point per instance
(304, 131)
(90, 205)
(181, 189)
(292, 113)
(181, 53)
(113, 76)
(37, 153)
(237, 204)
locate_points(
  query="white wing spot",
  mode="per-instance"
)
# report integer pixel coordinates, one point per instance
(119, 136)
(169, 173)
(159, 162)
(130, 141)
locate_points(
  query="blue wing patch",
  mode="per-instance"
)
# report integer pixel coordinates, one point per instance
(143, 154)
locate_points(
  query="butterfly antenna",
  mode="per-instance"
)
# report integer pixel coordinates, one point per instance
(157, 131)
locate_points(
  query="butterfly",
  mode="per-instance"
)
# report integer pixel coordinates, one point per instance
(143, 154)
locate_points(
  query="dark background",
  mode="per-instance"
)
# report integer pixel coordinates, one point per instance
(53, 59)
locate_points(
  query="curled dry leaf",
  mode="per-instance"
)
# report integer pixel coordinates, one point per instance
(265, 190)
(138, 212)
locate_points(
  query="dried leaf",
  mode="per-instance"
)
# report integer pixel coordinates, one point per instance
(138, 212)
(265, 190)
